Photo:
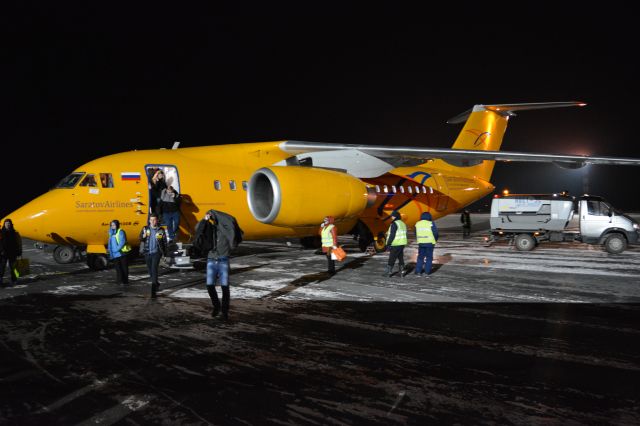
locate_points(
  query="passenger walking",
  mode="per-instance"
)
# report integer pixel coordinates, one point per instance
(221, 233)
(170, 210)
(427, 235)
(153, 245)
(329, 236)
(465, 218)
(396, 240)
(10, 250)
(118, 248)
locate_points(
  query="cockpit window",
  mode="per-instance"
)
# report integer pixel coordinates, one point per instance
(106, 180)
(70, 181)
(89, 180)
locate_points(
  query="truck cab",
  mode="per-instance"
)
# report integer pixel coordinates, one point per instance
(601, 223)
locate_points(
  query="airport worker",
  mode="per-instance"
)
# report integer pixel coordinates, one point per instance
(153, 245)
(170, 208)
(396, 240)
(223, 233)
(329, 236)
(10, 250)
(465, 218)
(157, 185)
(427, 235)
(118, 248)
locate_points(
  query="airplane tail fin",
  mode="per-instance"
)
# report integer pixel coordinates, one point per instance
(485, 126)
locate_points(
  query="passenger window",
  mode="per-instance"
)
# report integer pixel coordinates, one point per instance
(418, 189)
(106, 180)
(217, 185)
(377, 188)
(402, 189)
(393, 189)
(89, 180)
(245, 185)
(70, 181)
(232, 185)
(385, 189)
(410, 190)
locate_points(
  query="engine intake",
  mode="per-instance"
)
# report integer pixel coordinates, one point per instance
(303, 196)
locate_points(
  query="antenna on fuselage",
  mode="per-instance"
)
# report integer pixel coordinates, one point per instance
(176, 144)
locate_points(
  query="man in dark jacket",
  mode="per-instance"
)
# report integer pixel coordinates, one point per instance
(465, 218)
(224, 234)
(153, 245)
(10, 250)
(427, 235)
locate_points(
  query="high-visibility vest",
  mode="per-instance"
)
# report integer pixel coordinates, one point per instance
(127, 247)
(424, 233)
(401, 234)
(327, 238)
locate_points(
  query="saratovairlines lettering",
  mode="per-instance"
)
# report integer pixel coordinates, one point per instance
(103, 204)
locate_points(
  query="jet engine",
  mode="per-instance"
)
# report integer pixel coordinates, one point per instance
(303, 196)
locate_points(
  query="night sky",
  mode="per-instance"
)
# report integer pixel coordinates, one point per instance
(88, 81)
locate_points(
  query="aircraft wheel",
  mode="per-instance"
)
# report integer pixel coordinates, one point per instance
(97, 262)
(380, 243)
(525, 242)
(63, 254)
(615, 244)
(365, 237)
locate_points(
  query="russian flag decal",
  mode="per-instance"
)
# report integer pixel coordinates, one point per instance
(130, 176)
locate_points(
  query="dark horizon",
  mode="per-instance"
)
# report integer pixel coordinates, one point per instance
(85, 83)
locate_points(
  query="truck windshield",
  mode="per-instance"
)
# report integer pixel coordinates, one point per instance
(70, 181)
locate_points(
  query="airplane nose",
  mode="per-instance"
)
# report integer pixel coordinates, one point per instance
(28, 220)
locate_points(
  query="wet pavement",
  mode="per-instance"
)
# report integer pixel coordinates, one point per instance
(493, 337)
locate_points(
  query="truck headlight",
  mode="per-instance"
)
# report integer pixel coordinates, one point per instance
(636, 226)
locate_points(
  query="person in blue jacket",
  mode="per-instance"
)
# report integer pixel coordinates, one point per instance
(117, 249)
(427, 235)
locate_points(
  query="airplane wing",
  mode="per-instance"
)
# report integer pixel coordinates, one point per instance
(410, 156)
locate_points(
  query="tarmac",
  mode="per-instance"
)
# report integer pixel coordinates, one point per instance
(493, 336)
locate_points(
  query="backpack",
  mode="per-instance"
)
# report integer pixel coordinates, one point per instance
(203, 239)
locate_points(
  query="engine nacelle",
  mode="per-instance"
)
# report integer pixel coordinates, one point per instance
(303, 196)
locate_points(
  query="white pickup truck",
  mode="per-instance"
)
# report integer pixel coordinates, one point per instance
(530, 219)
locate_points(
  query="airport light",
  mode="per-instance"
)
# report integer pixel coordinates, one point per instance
(505, 192)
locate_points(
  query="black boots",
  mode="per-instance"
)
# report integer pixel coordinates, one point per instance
(213, 295)
(225, 302)
(226, 296)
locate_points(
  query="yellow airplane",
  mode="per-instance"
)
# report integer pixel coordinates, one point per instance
(282, 188)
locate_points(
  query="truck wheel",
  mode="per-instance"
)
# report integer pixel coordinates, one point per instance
(615, 244)
(63, 255)
(524, 242)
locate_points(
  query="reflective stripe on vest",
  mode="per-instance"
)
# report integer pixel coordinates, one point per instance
(401, 234)
(424, 233)
(327, 238)
(127, 247)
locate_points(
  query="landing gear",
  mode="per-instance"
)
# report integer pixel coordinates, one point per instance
(381, 243)
(97, 262)
(64, 254)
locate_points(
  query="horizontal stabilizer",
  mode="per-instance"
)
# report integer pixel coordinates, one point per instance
(508, 109)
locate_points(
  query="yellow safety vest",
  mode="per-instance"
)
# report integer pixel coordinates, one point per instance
(424, 233)
(401, 234)
(327, 238)
(127, 247)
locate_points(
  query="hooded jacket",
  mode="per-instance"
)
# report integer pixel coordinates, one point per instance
(393, 227)
(434, 228)
(10, 242)
(114, 247)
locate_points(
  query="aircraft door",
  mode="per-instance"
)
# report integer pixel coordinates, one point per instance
(442, 193)
(159, 177)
